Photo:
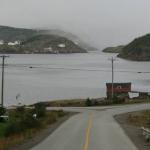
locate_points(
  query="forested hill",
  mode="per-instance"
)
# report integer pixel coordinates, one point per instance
(51, 44)
(10, 34)
(20, 40)
(138, 49)
(116, 49)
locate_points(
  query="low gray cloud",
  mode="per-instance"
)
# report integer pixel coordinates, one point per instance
(100, 22)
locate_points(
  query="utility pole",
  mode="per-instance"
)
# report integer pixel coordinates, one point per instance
(2, 86)
(112, 90)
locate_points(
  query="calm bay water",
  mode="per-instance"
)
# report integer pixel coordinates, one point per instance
(49, 77)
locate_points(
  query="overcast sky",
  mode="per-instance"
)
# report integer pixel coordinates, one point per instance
(101, 22)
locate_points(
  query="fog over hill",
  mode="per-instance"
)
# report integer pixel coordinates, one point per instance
(21, 40)
(101, 23)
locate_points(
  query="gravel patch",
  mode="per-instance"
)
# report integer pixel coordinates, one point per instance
(133, 132)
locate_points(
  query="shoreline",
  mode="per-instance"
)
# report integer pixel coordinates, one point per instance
(128, 58)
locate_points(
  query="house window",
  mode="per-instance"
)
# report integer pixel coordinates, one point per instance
(119, 87)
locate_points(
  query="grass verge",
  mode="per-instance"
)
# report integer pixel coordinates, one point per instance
(93, 102)
(131, 124)
(21, 126)
(140, 119)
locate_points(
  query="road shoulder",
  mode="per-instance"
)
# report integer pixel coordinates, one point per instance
(133, 132)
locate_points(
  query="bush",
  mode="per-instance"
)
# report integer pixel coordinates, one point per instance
(105, 102)
(28, 121)
(20, 109)
(19, 122)
(40, 110)
(88, 102)
(61, 113)
(2, 111)
(13, 127)
(52, 117)
(17, 113)
(117, 100)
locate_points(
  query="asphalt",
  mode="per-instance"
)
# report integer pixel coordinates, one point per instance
(92, 129)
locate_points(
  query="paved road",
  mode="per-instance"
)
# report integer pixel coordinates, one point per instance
(92, 129)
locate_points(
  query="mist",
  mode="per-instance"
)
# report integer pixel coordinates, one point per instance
(101, 23)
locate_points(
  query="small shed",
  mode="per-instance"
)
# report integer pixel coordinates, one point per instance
(119, 89)
(141, 95)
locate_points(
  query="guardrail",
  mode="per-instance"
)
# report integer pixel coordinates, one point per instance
(146, 133)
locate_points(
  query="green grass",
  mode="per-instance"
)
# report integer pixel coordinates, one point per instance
(95, 102)
(14, 138)
(138, 101)
(66, 103)
(3, 127)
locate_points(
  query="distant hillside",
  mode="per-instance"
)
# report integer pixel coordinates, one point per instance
(51, 43)
(117, 49)
(139, 49)
(10, 34)
(36, 41)
(73, 38)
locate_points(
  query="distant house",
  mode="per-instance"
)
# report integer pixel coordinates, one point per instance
(76, 42)
(48, 49)
(140, 95)
(17, 42)
(11, 44)
(119, 89)
(14, 43)
(1, 42)
(144, 95)
(62, 45)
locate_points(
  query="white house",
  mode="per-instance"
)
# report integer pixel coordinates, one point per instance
(62, 45)
(17, 42)
(1, 42)
(76, 42)
(14, 43)
(48, 49)
(11, 44)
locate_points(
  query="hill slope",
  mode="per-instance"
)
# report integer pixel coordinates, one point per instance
(139, 49)
(36, 41)
(117, 49)
(73, 38)
(51, 44)
(10, 34)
